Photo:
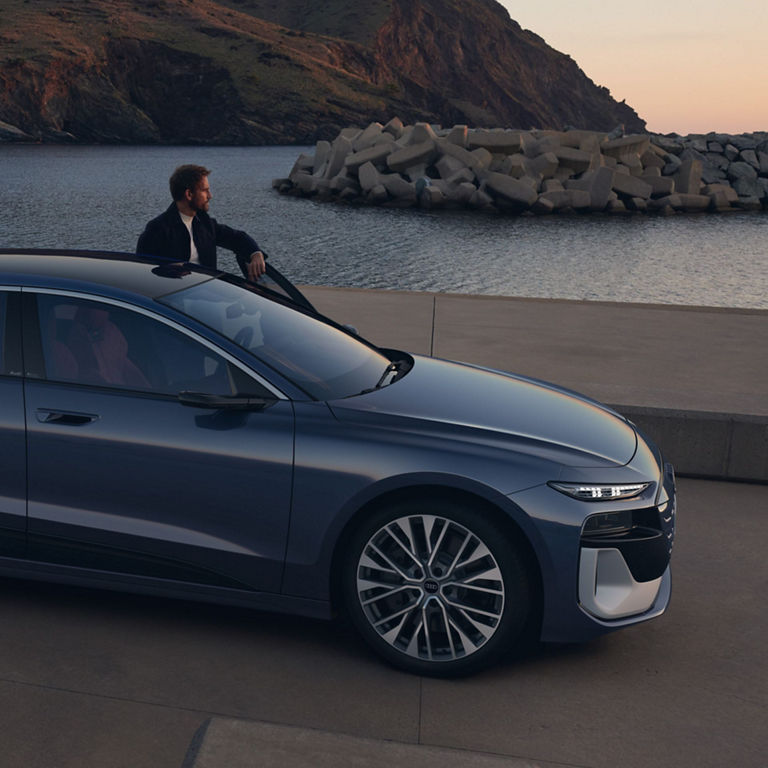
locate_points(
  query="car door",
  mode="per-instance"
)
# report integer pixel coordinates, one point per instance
(13, 491)
(273, 280)
(125, 478)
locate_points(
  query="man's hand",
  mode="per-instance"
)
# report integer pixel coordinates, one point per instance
(256, 266)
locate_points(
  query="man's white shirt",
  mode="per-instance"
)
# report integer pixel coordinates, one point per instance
(193, 257)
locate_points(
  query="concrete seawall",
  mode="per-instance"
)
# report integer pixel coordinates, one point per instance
(694, 378)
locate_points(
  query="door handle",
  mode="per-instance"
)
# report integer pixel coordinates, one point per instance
(70, 418)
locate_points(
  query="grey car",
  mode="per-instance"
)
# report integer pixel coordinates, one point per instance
(171, 430)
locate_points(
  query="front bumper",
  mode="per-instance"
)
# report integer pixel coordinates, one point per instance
(607, 589)
(595, 584)
(621, 575)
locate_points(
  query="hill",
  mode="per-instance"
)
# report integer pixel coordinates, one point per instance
(260, 72)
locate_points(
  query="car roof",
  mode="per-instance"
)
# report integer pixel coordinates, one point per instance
(89, 270)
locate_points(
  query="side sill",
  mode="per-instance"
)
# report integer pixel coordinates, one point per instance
(141, 585)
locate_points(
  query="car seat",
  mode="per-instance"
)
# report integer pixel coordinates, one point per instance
(101, 351)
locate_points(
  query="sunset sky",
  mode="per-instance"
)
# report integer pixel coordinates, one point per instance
(688, 67)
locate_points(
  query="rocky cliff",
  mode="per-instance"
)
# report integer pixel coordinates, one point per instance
(257, 72)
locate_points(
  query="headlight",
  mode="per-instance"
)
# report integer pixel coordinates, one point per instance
(600, 491)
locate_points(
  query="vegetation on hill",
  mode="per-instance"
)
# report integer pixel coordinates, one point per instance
(260, 71)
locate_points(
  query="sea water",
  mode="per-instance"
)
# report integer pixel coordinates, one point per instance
(101, 197)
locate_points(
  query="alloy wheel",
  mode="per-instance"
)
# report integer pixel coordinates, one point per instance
(430, 587)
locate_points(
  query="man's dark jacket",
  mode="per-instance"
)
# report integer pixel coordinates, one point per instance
(167, 237)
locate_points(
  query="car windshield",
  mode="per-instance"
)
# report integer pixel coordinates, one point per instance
(325, 361)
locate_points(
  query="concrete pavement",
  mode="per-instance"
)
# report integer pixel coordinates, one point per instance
(99, 680)
(115, 681)
(223, 742)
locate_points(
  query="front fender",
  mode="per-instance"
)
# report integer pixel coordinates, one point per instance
(341, 468)
(310, 559)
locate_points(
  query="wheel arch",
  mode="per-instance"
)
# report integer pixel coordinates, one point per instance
(432, 492)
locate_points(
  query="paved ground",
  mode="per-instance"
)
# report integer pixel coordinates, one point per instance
(103, 680)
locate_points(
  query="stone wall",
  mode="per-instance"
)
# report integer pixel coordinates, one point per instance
(534, 171)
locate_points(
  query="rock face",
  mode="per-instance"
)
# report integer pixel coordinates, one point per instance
(261, 72)
(468, 62)
(534, 171)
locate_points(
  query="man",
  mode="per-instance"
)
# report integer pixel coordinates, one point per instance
(185, 232)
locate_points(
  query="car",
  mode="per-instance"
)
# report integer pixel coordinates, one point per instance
(177, 431)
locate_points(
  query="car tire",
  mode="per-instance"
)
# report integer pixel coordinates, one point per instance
(436, 588)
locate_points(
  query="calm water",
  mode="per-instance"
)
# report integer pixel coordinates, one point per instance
(101, 197)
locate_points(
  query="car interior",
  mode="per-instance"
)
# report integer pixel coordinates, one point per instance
(98, 344)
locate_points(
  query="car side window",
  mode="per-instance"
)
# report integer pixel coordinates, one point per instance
(89, 342)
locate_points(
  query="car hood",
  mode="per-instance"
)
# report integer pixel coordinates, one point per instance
(438, 394)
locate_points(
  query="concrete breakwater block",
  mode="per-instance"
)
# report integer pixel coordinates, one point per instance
(421, 153)
(514, 190)
(536, 171)
(505, 142)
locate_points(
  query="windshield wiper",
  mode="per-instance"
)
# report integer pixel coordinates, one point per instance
(393, 367)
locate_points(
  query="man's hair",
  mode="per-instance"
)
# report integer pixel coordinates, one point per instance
(186, 177)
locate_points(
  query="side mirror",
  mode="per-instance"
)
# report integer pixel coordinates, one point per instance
(226, 402)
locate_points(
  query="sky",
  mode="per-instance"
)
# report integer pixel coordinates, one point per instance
(690, 66)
